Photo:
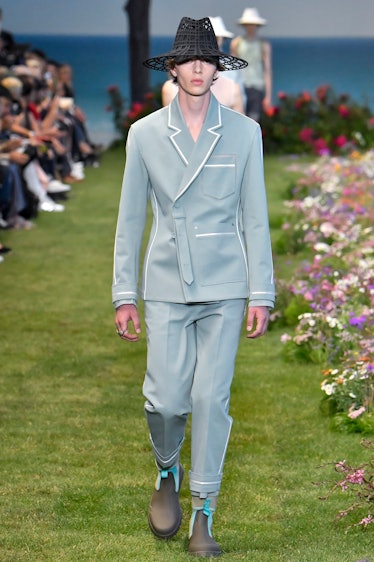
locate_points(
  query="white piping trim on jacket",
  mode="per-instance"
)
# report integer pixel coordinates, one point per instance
(220, 166)
(202, 164)
(261, 293)
(215, 234)
(151, 242)
(177, 131)
(241, 243)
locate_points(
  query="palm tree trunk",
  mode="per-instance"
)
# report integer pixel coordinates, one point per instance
(138, 15)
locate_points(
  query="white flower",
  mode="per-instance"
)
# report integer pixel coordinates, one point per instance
(327, 229)
(309, 202)
(329, 389)
(359, 138)
(322, 247)
(334, 322)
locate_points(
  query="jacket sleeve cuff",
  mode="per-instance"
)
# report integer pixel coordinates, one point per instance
(119, 303)
(267, 303)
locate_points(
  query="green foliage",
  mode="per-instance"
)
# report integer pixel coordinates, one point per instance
(320, 123)
(124, 115)
(290, 304)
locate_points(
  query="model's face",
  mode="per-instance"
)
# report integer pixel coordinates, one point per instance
(195, 77)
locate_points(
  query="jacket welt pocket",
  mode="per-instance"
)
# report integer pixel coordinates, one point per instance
(219, 177)
(219, 255)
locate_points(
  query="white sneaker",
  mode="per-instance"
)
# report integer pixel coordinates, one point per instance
(1, 259)
(78, 166)
(56, 186)
(77, 170)
(50, 206)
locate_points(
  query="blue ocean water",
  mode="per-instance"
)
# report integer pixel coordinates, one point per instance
(298, 64)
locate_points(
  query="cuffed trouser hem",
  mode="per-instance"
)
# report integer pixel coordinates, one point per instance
(166, 461)
(204, 486)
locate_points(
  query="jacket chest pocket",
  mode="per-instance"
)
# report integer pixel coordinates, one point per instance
(219, 176)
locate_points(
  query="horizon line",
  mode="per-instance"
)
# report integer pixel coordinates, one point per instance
(125, 35)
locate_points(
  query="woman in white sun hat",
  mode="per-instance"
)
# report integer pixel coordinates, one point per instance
(257, 76)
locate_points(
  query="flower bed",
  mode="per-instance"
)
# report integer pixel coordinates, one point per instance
(329, 304)
(319, 123)
(322, 123)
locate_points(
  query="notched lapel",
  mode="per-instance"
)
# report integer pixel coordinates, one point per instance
(194, 154)
(179, 136)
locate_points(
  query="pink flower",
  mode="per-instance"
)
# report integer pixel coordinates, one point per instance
(366, 521)
(308, 296)
(356, 413)
(306, 135)
(343, 110)
(285, 338)
(321, 147)
(340, 141)
(357, 477)
(343, 485)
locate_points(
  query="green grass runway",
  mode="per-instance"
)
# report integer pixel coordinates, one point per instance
(76, 471)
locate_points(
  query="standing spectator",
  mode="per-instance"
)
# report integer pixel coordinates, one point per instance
(222, 35)
(83, 149)
(209, 251)
(257, 76)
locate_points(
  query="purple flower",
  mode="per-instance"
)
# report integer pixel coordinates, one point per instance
(358, 321)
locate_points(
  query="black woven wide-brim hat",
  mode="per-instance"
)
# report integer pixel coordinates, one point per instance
(195, 38)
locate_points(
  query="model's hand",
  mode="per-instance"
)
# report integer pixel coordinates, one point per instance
(126, 315)
(257, 321)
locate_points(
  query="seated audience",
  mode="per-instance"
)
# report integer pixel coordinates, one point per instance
(44, 142)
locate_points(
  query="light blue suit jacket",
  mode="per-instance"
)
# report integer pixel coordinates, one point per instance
(210, 236)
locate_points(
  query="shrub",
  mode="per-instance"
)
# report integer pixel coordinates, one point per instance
(321, 123)
(124, 115)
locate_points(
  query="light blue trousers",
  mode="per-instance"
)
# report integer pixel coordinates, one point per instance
(190, 366)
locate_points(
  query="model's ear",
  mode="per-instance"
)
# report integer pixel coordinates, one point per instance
(172, 72)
